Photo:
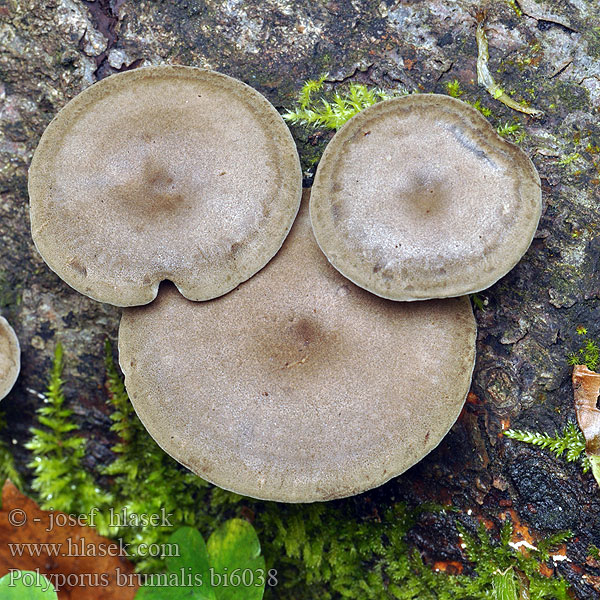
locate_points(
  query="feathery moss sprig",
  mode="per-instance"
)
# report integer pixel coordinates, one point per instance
(570, 441)
(8, 469)
(59, 477)
(332, 113)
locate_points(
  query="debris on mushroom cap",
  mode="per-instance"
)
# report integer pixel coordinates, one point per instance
(418, 197)
(10, 358)
(163, 173)
(298, 386)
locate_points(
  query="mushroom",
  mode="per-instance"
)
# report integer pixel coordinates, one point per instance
(10, 357)
(418, 197)
(163, 173)
(297, 386)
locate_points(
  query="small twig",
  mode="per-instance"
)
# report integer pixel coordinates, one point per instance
(485, 79)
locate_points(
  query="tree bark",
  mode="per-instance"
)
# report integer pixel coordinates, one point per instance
(544, 52)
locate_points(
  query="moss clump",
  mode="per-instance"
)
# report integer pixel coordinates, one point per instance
(453, 89)
(513, 131)
(333, 110)
(503, 570)
(588, 354)
(317, 550)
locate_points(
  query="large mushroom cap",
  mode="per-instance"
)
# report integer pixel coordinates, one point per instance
(298, 386)
(163, 173)
(10, 358)
(419, 198)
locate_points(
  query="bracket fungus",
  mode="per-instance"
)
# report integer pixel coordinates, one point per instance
(418, 197)
(10, 358)
(163, 173)
(297, 386)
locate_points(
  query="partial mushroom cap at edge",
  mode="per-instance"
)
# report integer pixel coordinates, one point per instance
(298, 386)
(418, 198)
(10, 358)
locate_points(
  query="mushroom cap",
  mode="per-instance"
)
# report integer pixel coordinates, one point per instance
(418, 197)
(297, 386)
(163, 173)
(10, 357)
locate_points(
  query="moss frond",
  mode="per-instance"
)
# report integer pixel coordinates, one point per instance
(331, 111)
(588, 355)
(57, 454)
(7, 462)
(453, 89)
(570, 441)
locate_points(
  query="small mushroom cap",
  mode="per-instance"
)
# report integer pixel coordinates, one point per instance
(298, 386)
(10, 358)
(163, 173)
(418, 198)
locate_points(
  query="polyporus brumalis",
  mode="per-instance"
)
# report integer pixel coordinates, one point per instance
(163, 173)
(10, 358)
(297, 386)
(418, 197)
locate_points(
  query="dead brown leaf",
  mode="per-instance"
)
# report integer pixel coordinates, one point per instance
(586, 388)
(80, 563)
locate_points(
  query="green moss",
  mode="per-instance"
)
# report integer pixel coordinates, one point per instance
(570, 442)
(453, 89)
(478, 301)
(318, 550)
(594, 552)
(588, 354)
(497, 564)
(484, 110)
(513, 131)
(331, 111)
(515, 7)
(59, 478)
(8, 469)
(570, 158)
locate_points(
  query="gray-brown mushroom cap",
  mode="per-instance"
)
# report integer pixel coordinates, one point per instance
(298, 386)
(418, 197)
(10, 358)
(163, 173)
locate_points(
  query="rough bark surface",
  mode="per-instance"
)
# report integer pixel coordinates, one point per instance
(549, 55)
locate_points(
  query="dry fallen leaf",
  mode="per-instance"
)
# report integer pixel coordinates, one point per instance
(70, 555)
(586, 388)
